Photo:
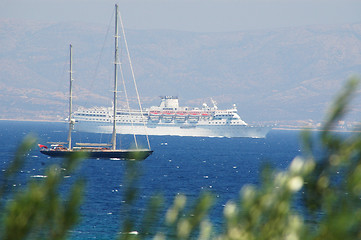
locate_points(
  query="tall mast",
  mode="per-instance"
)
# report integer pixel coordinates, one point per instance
(70, 96)
(114, 135)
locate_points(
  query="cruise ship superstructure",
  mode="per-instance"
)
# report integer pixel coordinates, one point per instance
(169, 119)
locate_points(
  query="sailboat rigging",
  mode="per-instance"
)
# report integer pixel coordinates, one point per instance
(99, 150)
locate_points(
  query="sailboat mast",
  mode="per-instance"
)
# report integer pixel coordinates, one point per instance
(70, 96)
(116, 62)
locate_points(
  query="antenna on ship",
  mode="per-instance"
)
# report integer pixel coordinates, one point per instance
(214, 104)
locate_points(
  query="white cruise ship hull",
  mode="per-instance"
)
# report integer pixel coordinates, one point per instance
(169, 119)
(172, 129)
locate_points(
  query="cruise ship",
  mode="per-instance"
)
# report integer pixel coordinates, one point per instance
(169, 119)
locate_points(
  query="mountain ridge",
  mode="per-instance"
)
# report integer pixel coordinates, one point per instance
(272, 75)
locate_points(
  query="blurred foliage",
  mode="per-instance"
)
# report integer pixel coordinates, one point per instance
(315, 198)
(38, 211)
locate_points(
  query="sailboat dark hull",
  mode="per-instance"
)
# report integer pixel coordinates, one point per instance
(134, 154)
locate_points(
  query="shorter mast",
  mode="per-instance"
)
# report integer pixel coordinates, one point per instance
(70, 98)
(114, 134)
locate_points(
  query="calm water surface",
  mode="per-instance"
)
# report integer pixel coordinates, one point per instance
(179, 165)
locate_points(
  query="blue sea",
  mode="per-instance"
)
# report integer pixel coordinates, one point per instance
(179, 165)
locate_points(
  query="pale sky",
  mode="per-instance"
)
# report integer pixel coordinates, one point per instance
(189, 15)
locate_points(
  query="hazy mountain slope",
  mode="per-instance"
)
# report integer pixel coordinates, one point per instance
(271, 75)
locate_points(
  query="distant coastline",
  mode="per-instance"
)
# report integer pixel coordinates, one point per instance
(35, 84)
(280, 128)
(31, 120)
(312, 129)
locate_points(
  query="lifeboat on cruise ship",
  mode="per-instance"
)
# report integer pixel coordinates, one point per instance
(168, 113)
(168, 116)
(181, 116)
(154, 113)
(154, 116)
(194, 113)
(181, 113)
(193, 116)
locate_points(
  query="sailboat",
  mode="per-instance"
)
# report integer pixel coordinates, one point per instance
(98, 150)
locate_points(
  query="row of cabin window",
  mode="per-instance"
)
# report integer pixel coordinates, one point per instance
(221, 122)
(107, 120)
(90, 115)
